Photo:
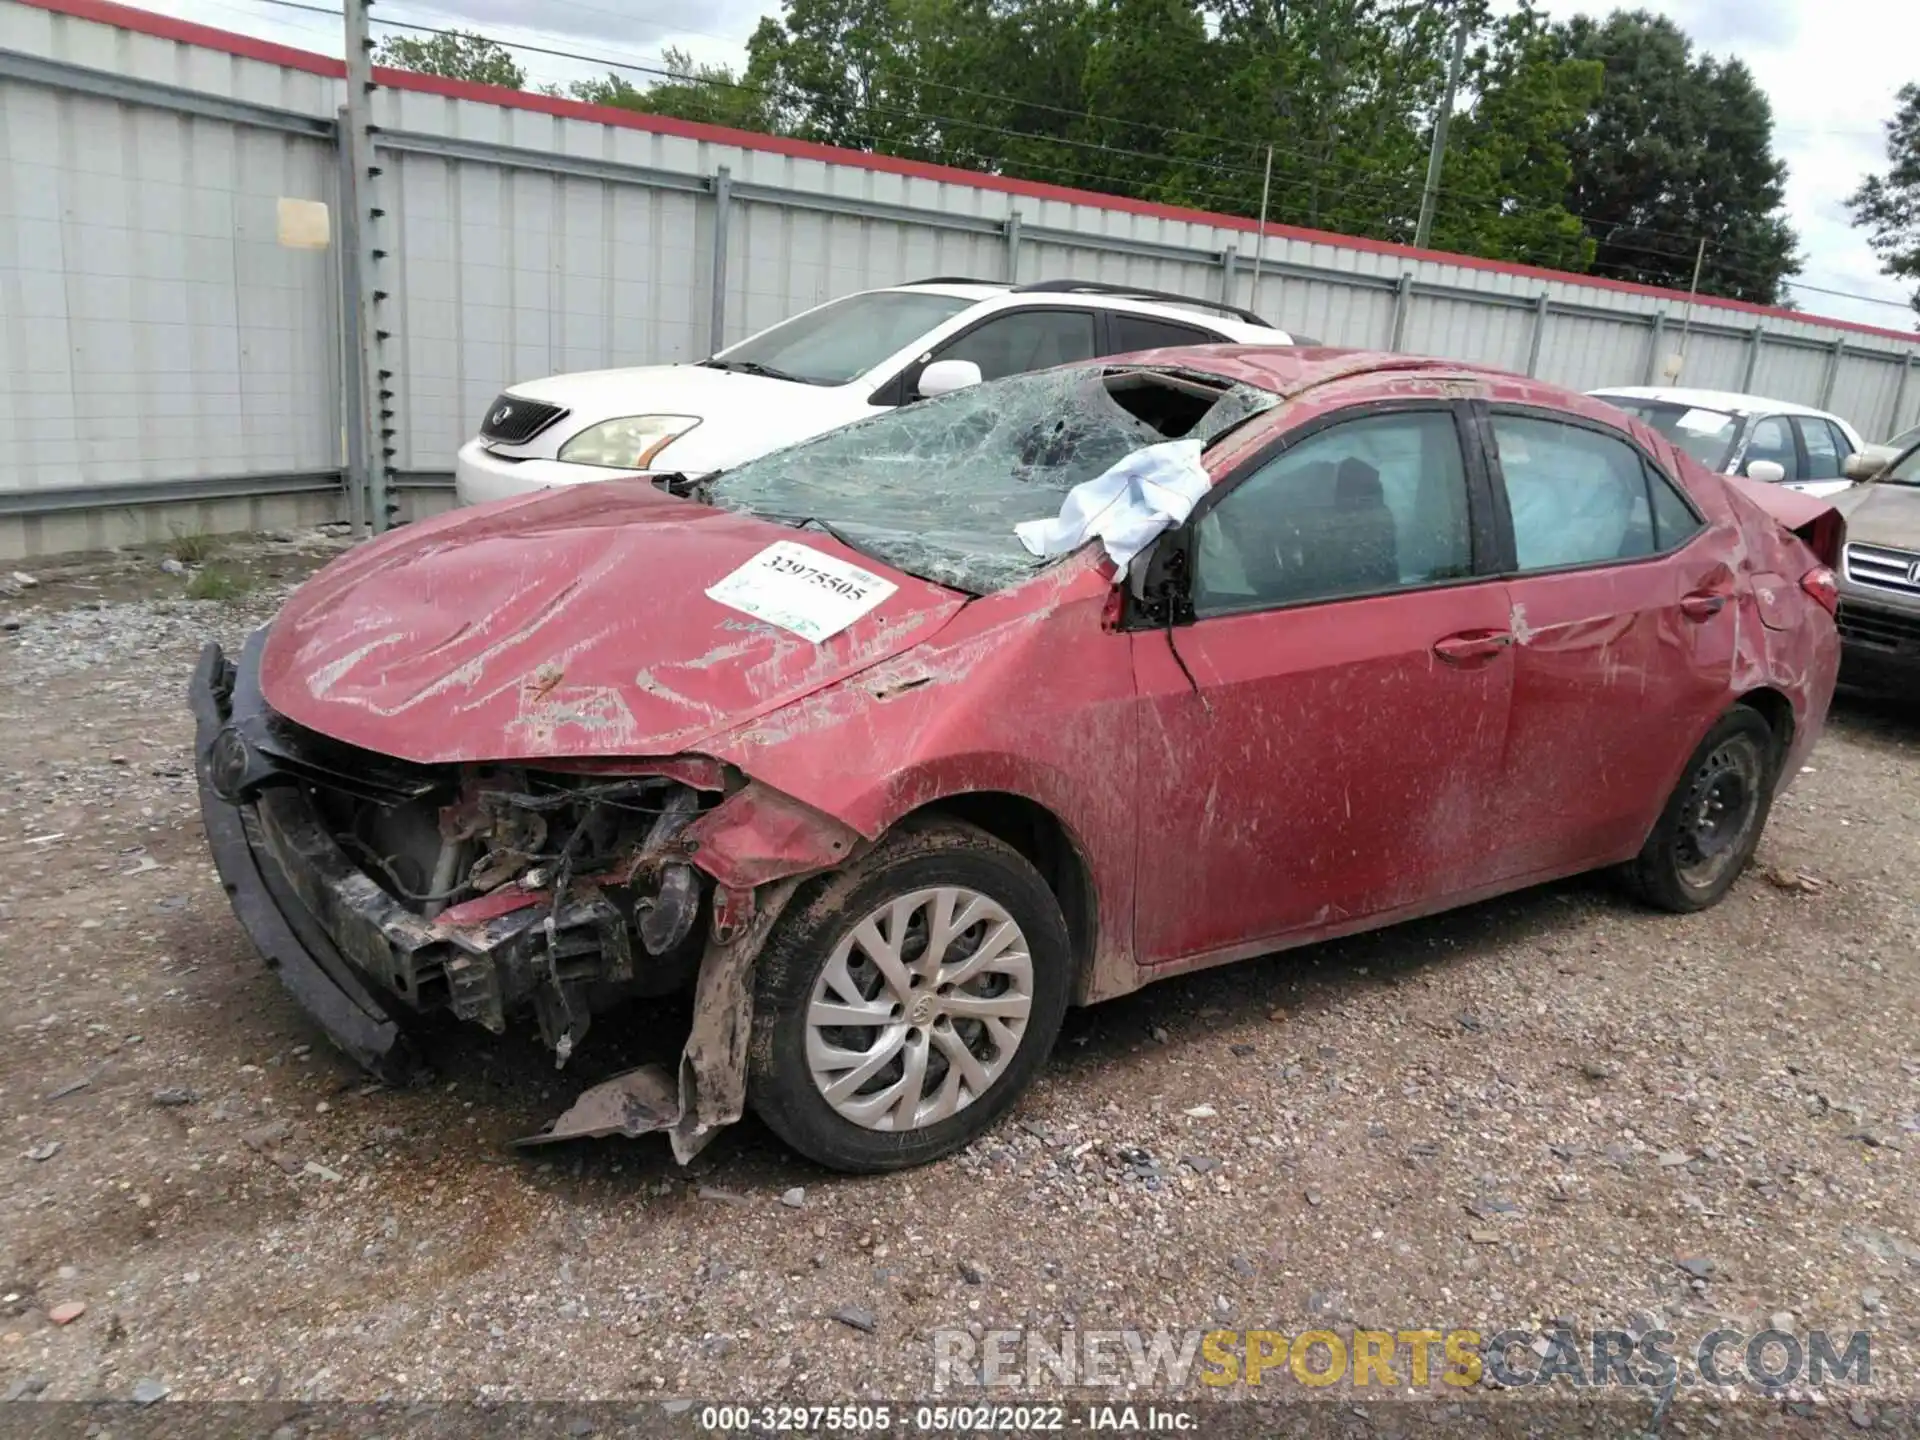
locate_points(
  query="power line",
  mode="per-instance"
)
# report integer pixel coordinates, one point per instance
(1392, 190)
(1848, 295)
(1395, 190)
(1378, 188)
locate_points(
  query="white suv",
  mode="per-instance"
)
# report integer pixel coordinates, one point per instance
(1775, 441)
(822, 369)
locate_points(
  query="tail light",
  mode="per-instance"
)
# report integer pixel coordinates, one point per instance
(1820, 584)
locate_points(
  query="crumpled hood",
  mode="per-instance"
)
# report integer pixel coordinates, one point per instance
(1883, 513)
(780, 412)
(574, 624)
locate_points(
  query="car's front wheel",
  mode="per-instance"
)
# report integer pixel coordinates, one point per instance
(904, 1003)
(1712, 822)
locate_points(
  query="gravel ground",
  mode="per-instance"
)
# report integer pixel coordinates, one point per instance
(1532, 1110)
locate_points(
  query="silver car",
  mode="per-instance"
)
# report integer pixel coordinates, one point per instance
(1880, 575)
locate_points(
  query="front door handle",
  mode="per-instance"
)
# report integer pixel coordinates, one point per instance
(1472, 646)
(1702, 604)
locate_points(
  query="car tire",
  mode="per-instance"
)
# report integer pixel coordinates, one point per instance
(841, 952)
(1712, 823)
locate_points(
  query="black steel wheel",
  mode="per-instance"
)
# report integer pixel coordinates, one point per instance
(1712, 822)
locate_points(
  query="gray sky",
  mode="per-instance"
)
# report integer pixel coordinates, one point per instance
(1830, 67)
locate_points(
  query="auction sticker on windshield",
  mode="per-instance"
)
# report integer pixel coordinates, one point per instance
(802, 590)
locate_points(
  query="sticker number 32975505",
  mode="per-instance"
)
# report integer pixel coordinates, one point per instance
(800, 589)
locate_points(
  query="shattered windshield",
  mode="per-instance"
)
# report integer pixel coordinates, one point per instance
(936, 487)
(1905, 470)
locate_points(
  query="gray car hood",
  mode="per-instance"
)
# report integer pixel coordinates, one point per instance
(1882, 514)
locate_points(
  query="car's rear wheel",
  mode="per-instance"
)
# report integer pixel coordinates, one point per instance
(902, 1004)
(1712, 823)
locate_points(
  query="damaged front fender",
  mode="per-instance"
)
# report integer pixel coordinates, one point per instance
(759, 834)
(758, 845)
(710, 1090)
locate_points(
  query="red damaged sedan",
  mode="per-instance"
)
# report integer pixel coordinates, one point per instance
(820, 741)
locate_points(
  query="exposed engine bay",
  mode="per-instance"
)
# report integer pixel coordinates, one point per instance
(500, 892)
(555, 892)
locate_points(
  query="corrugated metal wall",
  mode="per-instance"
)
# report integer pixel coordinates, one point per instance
(153, 325)
(159, 340)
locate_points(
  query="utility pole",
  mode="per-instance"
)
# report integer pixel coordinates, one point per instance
(1686, 316)
(1260, 240)
(376, 407)
(1431, 195)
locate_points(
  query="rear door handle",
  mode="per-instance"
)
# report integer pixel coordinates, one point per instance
(1702, 604)
(1472, 646)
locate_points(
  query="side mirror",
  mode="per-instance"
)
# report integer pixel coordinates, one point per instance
(1767, 472)
(1865, 464)
(943, 377)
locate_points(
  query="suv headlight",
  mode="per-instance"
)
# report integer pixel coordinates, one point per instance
(629, 443)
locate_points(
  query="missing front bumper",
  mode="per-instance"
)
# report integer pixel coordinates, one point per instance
(341, 945)
(290, 939)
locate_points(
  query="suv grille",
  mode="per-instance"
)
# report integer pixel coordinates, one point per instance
(1879, 629)
(514, 419)
(1884, 568)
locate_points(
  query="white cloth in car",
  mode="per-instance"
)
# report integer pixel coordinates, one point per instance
(1125, 506)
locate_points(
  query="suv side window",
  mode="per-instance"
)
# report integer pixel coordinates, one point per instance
(1576, 496)
(1825, 448)
(1773, 440)
(1145, 332)
(1024, 340)
(1364, 506)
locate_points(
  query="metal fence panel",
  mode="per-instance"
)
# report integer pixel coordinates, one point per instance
(154, 331)
(1586, 351)
(153, 324)
(1794, 372)
(782, 259)
(505, 274)
(1463, 329)
(1868, 387)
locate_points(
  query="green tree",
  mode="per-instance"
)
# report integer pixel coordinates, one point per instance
(709, 94)
(1677, 148)
(1888, 206)
(1342, 90)
(842, 72)
(455, 55)
(1001, 81)
(1504, 186)
(1149, 108)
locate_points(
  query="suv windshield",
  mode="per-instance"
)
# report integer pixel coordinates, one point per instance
(1706, 435)
(843, 340)
(1904, 471)
(936, 487)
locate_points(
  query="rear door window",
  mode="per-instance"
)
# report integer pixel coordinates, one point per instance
(1773, 440)
(1145, 332)
(1674, 520)
(1825, 448)
(1576, 496)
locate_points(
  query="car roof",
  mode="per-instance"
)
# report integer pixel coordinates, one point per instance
(1725, 400)
(1289, 370)
(1142, 302)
